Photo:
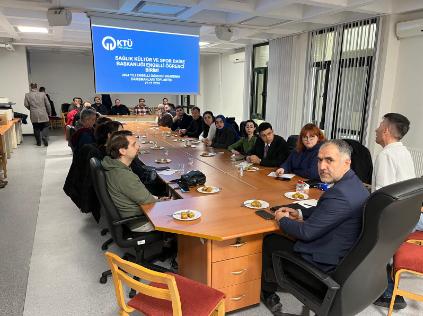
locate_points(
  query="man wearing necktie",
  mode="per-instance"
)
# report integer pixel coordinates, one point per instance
(270, 150)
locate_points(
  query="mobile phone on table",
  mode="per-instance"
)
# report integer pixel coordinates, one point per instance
(265, 215)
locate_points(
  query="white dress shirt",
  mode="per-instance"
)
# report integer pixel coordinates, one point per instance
(393, 164)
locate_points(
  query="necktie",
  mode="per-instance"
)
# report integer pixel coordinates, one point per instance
(266, 149)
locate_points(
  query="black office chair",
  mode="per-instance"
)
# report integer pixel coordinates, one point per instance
(390, 214)
(121, 235)
(361, 161)
(292, 142)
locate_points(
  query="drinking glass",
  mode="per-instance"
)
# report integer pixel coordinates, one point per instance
(191, 162)
(181, 168)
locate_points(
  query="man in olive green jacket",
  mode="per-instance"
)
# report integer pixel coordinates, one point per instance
(125, 188)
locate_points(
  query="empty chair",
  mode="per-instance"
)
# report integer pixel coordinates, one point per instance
(361, 161)
(168, 294)
(408, 259)
(389, 215)
(292, 142)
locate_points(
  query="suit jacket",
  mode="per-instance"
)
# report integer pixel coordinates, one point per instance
(276, 155)
(38, 105)
(331, 228)
(182, 123)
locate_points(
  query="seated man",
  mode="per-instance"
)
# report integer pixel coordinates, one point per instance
(325, 233)
(119, 109)
(165, 118)
(125, 188)
(141, 108)
(181, 120)
(195, 128)
(270, 150)
(85, 133)
(100, 108)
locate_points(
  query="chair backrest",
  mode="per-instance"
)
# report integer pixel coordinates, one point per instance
(231, 121)
(65, 107)
(361, 161)
(121, 268)
(390, 214)
(109, 210)
(292, 142)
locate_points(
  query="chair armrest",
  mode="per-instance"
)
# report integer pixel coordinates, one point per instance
(128, 220)
(321, 306)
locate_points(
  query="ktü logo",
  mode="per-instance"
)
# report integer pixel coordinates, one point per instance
(109, 43)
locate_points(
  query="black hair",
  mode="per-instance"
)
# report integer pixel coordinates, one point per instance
(117, 141)
(102, 131)
(398, 124)
(264, 126)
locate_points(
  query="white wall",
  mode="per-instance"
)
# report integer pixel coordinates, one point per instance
(221, 85)
(408, 93)
(69, 74)
(399, 82)
(14, 79)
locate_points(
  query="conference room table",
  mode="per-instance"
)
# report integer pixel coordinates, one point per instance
(222, 248)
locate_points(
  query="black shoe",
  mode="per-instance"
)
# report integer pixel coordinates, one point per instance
(38, 143)
(386, 302)
(273, 303)
(45, 142)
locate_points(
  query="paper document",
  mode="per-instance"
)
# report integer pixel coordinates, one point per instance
(284, 176)
(167, 172)
(307, 203)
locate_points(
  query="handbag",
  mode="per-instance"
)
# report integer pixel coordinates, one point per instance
(192, 178)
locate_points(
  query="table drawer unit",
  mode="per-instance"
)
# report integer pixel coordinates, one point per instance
(242, 295)
(235, 271)
(234, 248)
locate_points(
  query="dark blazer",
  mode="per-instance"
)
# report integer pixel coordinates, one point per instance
(119, 110)
(303, 163)
(182, 123)
(224, 137)
(195, 128)
(277, 153)
(331, 228)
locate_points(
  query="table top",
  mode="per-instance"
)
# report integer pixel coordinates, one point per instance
(6, 127)
(223, 217)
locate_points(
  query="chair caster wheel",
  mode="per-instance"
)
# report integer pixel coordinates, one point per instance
(103, 280)
(132, 293)
(104, 247)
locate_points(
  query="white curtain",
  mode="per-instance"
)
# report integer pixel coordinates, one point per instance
(279, 86)
(247, 82)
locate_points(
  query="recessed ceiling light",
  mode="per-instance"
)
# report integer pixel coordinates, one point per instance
(32, 29)
(203, 44)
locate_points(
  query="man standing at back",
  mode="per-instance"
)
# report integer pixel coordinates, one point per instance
(39, 107)
(393, 164)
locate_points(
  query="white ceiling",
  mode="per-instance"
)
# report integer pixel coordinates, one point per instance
(252, 21)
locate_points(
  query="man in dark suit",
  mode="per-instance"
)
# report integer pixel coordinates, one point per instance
(325, 233)
(270, 150)
(181, 120)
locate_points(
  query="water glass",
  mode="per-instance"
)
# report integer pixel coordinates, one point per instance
(191, 162)
(181, 168)
(166, 153)
(300, 187)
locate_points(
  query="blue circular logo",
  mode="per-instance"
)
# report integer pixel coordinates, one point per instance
(109, 43)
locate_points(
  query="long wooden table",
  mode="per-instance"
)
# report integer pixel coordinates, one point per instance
(223, 247)
(10, 137)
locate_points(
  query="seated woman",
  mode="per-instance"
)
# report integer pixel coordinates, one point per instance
(303, 160)
(225, 135)
(209, 128)
(245, 144)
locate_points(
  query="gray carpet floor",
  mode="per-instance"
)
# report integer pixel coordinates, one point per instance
(63, 258)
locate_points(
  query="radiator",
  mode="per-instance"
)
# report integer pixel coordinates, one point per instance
(417, 155)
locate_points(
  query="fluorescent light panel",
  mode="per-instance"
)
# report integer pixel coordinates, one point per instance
(32, 29)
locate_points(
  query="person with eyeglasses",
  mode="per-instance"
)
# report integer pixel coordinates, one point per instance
(303, 160)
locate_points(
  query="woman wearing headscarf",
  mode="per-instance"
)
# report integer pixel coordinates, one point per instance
(225, 135)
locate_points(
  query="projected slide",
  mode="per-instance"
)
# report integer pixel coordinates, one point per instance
(135, 61)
